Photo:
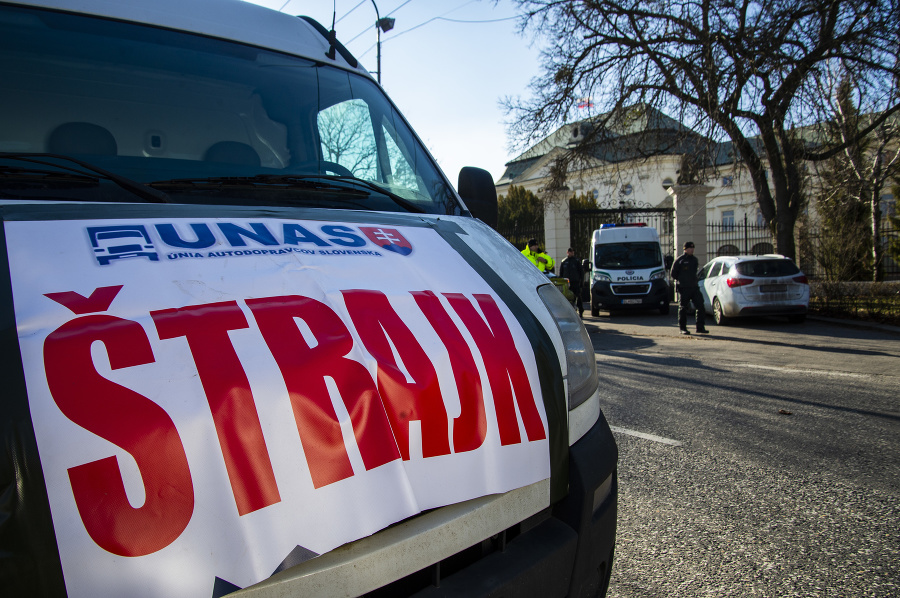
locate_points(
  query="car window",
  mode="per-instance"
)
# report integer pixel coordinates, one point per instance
(716, 269)
(766, 268)
(704, 271)
(347, 137)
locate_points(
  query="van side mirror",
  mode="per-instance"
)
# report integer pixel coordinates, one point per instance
(476, 187)
(668, 261)
(586, 265)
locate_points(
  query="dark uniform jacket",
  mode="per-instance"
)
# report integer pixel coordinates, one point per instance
(572, 269)
(684, 272)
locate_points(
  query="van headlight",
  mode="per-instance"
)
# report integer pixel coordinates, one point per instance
(658, 275)
(601, 277)
(580, 363)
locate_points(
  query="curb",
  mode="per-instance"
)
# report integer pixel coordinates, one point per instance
(856, 324)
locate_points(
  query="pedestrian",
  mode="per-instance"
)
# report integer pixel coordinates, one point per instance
(541, 260)
(572, 270)
(684, 273)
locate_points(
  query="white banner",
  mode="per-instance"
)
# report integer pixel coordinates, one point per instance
(210, 394)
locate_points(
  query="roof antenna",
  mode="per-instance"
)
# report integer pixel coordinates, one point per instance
(332, 36)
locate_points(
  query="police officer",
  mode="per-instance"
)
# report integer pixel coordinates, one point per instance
(537, 257)
(572, 269)
(684, 273)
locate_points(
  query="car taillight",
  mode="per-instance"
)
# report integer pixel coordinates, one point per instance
(738, 282)
(801, 279)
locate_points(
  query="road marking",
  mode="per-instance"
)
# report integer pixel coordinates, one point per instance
(652, 437)
(796, 371)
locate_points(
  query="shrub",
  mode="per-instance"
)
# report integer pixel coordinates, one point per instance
(878, 301)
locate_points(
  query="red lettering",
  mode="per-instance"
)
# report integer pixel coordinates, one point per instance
(421, 400)
(304, 369)
(470, 427)
(228, 393)
(504, 366)
(130, 421)
(100, 299)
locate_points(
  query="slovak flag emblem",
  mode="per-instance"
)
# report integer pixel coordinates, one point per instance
(388, 238)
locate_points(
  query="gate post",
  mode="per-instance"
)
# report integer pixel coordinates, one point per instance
(690, 218)
(557, 223)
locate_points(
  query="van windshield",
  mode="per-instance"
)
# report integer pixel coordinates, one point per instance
(196, 120)
(621, 256)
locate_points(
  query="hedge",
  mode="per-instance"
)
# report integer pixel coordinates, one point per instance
(877, 301)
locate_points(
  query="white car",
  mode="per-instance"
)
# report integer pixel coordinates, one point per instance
(757, 285)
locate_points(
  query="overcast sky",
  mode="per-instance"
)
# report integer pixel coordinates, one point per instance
(445, 64)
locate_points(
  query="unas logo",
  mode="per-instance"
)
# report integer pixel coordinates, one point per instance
(227, 239)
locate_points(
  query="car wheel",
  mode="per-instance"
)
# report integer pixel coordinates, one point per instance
(664, 308)
(718, 313)
(797, 318)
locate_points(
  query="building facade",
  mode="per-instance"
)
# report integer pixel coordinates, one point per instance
(638, 160)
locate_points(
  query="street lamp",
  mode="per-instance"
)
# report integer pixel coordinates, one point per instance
(385, 24)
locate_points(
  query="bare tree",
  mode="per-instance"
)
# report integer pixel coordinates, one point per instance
(863, 169)
(748, 72)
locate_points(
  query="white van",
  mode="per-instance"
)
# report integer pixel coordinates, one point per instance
(628, 270)
(255, 342)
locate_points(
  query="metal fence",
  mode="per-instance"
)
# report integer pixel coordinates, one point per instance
(519, 234)
(811, 239)
(584, 222)
(746, 238)
(740, 238)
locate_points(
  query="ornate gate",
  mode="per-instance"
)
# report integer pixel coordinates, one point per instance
(582, 223)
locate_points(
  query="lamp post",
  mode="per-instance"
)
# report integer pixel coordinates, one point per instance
(385, 24)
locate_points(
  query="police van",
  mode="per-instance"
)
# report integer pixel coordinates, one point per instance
(628, 269)
(251, 341)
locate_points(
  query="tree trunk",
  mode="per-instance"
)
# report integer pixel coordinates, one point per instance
(784, 235)
(877, 265)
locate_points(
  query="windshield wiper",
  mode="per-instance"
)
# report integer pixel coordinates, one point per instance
(45, 176)
(403, 203)
(139, 189)
(314, 182)
(286, 182)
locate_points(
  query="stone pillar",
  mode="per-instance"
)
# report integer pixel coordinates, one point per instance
(690, 219)
(557, 225)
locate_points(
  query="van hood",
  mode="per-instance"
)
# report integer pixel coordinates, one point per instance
(320, 342)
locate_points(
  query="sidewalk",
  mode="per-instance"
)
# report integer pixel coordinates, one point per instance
(857, 323)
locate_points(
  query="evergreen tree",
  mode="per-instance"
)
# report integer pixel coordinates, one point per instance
(584, 201)
(520, 216)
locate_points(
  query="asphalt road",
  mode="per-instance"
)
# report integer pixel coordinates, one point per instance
(761, 460)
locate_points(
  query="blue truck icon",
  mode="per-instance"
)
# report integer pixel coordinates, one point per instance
(117, 242)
